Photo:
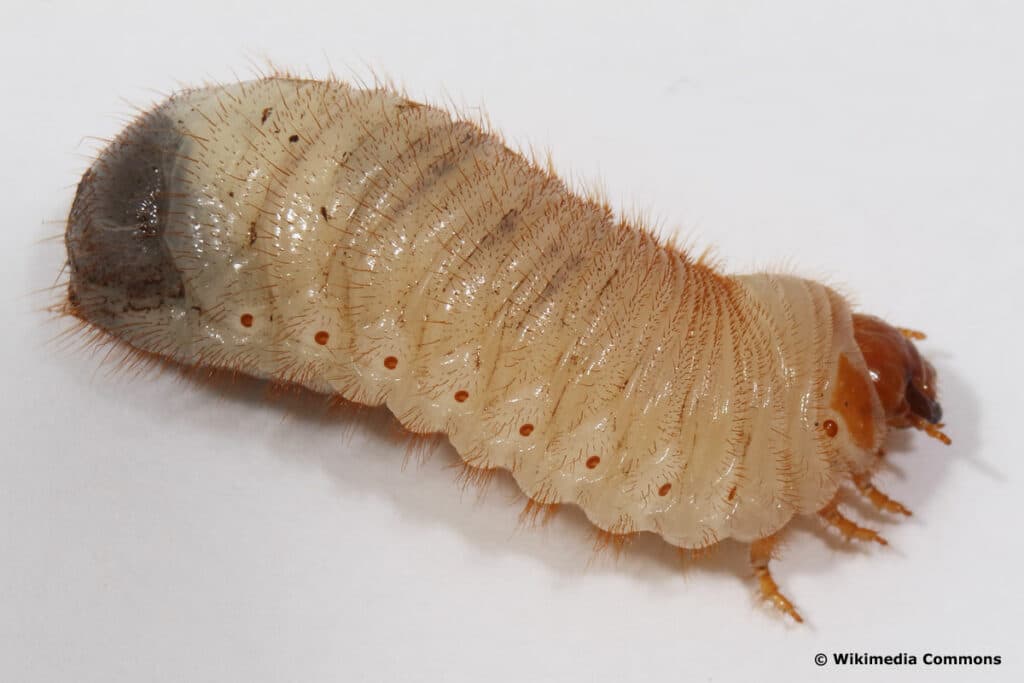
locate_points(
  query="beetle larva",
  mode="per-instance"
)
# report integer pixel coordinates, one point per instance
(376, 249)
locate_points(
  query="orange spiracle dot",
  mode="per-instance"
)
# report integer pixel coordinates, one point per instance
(391, 362)
(593, 461)
(246, 320)
(831, 428)
(664, 489)
(461, 395)
(321, 337)
(526, 429)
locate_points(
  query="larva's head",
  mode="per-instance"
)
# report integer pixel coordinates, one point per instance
(120, 266)
(904, 381)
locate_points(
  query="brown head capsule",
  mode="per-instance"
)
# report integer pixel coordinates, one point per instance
(902, 379)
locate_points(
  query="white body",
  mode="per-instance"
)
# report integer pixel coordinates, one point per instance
(473, 294)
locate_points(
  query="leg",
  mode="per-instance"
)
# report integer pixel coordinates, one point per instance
(932, 430)
(912, 334)
(833, 517)
(760, 555)
(876, 497)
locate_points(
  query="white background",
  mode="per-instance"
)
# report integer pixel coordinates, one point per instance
(152, 530)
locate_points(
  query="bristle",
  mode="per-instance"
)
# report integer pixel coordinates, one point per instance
(480, 478)
(612, 542)
(535, 513)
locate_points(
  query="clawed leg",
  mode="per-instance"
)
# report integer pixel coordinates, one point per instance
(833, 517)
(876, 497)
(908, 333)
(932, 430)
(760, 555)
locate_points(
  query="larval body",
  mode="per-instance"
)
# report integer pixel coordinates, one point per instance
(367, 246)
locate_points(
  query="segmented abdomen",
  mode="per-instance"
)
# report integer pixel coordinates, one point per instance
(372, 247)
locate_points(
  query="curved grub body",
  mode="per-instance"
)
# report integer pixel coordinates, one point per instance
(375, 249)
(367, 246)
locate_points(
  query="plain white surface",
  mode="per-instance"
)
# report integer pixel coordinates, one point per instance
(153, 530)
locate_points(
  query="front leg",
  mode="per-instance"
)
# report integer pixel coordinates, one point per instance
(760, 556)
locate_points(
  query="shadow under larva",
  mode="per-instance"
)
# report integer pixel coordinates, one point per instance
(378, 250)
